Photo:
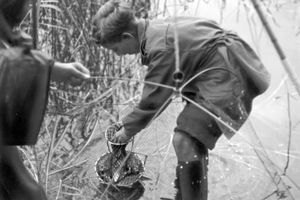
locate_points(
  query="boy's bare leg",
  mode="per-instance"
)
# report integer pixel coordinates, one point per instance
(191, 170)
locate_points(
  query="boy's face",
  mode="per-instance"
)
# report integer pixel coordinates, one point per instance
(123, 47)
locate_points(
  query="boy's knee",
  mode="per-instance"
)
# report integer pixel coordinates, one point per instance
(183, 146)
(179, 140)
(188, 148)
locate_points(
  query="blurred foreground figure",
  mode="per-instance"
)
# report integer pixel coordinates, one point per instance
(24, 83)
(230, 76)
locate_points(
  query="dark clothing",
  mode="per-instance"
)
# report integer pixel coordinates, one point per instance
(16, 183)
(24, 83)
(232, 76)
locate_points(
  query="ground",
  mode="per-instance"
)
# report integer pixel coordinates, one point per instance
(239, 169)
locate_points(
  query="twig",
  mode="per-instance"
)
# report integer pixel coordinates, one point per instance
(62, 135)
(49, 156)
(35, 22)
(134, 80)
(59, 189)
(289, 70)
(290, 131)
(34, 174)
(38, 165)
(86, 144)
(272, 170)
(66, 168)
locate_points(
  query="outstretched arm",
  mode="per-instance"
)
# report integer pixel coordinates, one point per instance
(73, 73)
(153, 99)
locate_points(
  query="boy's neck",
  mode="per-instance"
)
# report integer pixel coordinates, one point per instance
(141, 25)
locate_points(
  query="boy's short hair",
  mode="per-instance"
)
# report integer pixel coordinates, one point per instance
(112, 19)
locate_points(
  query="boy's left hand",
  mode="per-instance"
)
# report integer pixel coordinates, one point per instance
(121, 137)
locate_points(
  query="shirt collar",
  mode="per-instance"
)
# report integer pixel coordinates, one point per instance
(142, 28)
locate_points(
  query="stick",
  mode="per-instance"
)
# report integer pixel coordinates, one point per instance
(35, 17)
(289, 70)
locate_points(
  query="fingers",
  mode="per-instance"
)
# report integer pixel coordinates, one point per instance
(121, 137)
(117, 140)
(81, 71)
(73, 73)
(78, 74)
(118, 137)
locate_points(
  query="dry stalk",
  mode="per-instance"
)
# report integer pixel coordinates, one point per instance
(49, 155)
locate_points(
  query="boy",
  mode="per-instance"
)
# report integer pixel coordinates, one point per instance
(232, 77)
(24, 92)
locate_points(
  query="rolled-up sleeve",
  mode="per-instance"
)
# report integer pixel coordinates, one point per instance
(160, 70)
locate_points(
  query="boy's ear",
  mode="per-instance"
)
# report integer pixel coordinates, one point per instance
(127, 35)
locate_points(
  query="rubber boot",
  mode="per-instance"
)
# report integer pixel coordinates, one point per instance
(191, 182)
(178, 195)
(15, 181)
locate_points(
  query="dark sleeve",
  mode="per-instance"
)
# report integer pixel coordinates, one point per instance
(45, 60)
(24, 83)
(160, 70)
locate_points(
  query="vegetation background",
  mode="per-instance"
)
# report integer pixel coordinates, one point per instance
(259, 163)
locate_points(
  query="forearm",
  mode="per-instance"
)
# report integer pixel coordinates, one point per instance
(146, 111)
(155, 98)
(57, 71)
(73, 72)
(136, 121)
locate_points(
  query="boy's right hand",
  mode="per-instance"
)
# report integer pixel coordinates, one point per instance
(73, 73)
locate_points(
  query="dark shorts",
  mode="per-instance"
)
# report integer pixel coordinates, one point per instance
(198, 125)
(226, 94)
